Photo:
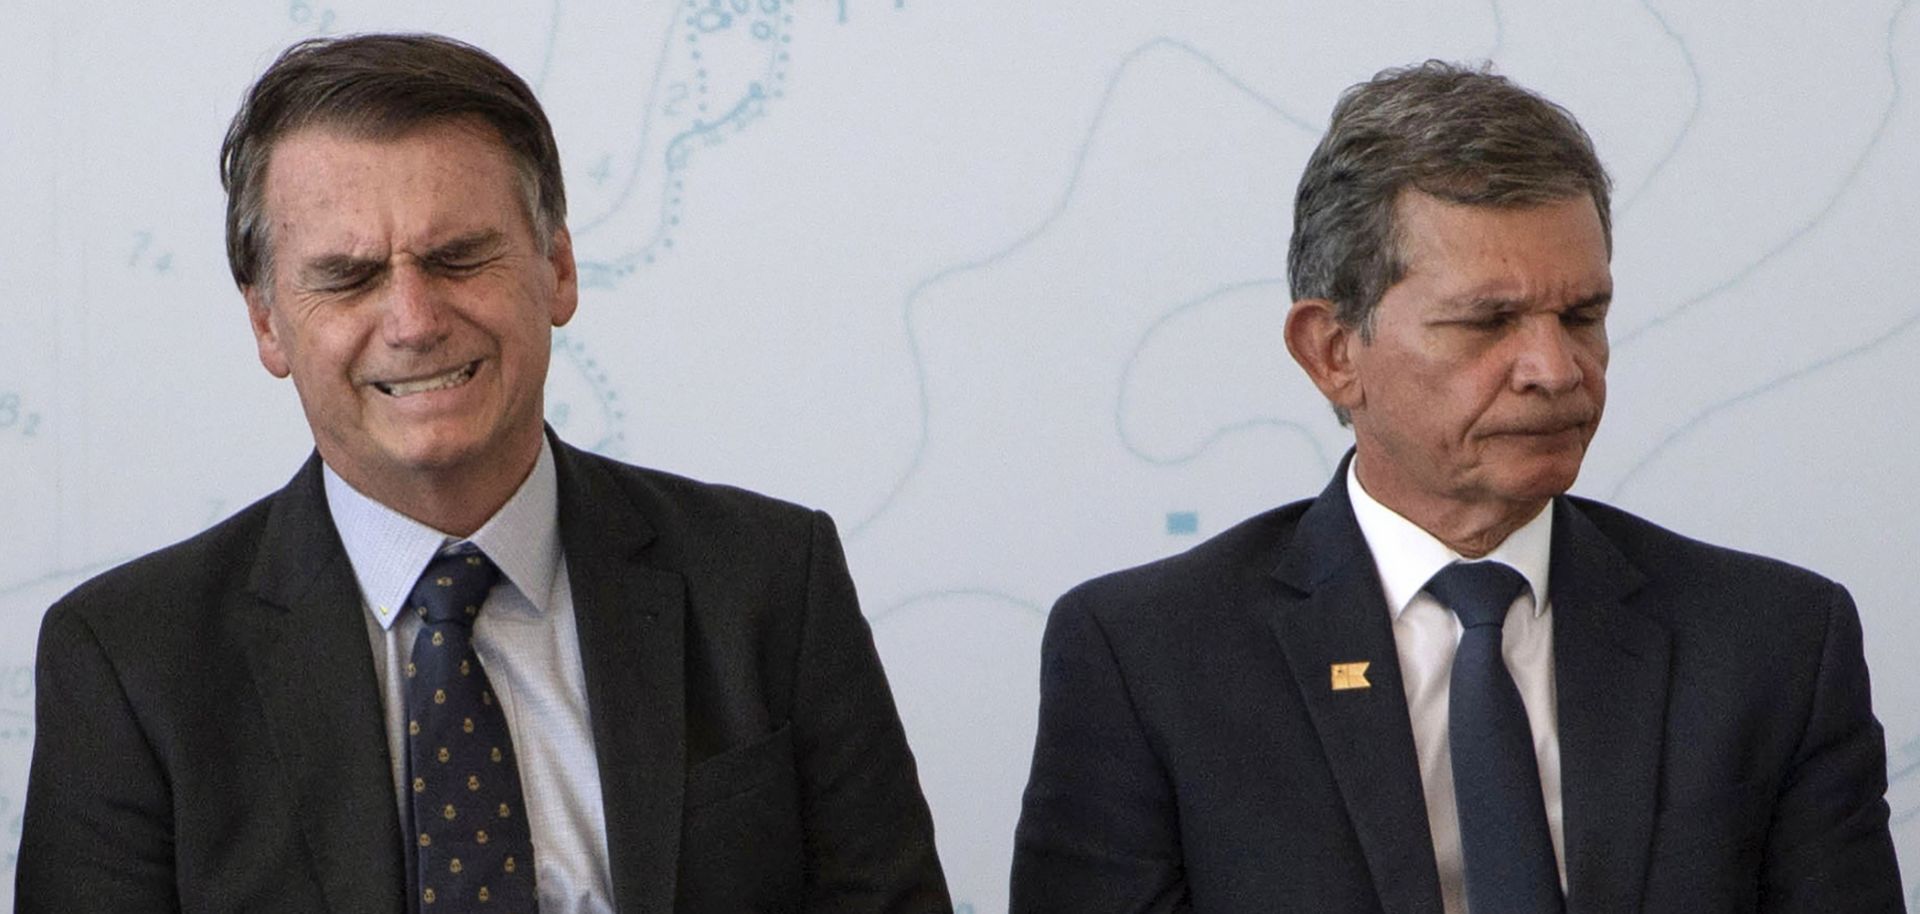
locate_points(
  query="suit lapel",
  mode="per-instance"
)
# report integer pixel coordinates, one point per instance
(632, 630)
(1336, 614)
(312, 665)
(1610, 670)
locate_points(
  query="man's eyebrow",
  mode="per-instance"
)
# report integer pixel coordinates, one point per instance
(1474, 305)
(467, 246)
(1600, 299)
(339, 267)
(1482, 305)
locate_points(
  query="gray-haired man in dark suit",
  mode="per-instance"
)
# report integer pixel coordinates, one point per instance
(1443, 685)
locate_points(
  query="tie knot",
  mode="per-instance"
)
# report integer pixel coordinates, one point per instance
(1478, 592)
(454, 586)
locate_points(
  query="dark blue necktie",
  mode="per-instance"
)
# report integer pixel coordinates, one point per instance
(473, 849)
(1496, 781)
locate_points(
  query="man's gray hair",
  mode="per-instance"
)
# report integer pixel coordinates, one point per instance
(1459, 133)
(380, 87)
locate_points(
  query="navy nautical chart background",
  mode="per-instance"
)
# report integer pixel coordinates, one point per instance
(999, 284)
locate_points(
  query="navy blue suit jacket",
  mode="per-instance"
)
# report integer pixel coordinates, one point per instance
(1718, 750)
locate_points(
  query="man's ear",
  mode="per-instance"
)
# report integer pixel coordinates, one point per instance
(1326, 350)
(566, 288)
(272, 354)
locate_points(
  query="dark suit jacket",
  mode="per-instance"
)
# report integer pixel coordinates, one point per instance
(210, 736)
(1718, 752)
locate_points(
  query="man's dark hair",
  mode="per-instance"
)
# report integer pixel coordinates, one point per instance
(380, 87)
(1458, 133)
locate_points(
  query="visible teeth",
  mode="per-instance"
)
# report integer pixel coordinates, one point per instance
(452, 378)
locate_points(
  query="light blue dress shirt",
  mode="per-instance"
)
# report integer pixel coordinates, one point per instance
(527, 641)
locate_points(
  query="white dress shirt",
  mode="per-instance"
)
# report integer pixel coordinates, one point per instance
(525, 637)
(1425, 635)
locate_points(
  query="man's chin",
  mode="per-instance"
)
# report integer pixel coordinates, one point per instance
(1539, 480)
(452, 448)
(414, 456)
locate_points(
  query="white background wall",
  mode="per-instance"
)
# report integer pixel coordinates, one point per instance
(999, 284)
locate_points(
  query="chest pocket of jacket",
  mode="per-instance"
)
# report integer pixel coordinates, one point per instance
(741, 844)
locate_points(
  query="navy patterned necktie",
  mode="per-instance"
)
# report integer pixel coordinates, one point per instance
(1496, 780)
(473, 849)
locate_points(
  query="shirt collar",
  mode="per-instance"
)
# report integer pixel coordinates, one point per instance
(388, 550)
(1407, 556)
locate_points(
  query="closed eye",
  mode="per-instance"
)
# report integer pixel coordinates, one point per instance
(1588, 313)
(348, 285)
(1497, 320)
(461, 267)
(466, 254)
(341, 274)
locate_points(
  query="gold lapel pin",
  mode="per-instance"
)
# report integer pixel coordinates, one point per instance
(1351, 676)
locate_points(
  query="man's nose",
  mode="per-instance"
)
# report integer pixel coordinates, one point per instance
(1547, 356)
(415, 317)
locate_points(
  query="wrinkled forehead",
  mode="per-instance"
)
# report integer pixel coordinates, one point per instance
(1553, 249)
(1422, 219)
(461, 136)
(1479, 188)
(446, 176)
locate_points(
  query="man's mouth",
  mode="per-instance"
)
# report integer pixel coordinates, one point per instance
(1546, 427)
(454, 378)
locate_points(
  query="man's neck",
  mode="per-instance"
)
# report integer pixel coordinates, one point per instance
(453, 500)
(1470, 529)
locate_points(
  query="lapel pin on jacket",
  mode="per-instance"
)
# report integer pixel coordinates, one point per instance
(1351, 676)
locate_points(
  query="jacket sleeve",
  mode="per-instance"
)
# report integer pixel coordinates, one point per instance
(1828, 847)
(1099, 830)
(868, 834)
(97, 832)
